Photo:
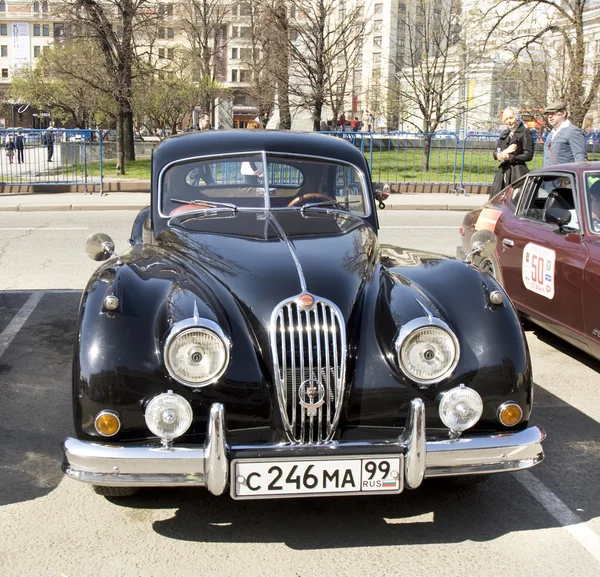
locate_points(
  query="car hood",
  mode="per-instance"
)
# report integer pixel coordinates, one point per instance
(263, 258)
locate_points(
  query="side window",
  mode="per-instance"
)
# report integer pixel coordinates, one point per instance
(545, 192)
(516, 193)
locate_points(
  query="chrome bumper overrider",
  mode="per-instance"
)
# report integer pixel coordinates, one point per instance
(150, 466)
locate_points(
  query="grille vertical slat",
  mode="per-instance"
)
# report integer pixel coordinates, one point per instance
(309, 351)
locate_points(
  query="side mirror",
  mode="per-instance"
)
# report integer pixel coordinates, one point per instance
(483, 244)
(99, 247)
(559, 216)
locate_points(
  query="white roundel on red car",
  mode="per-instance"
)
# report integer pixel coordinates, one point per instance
(538, 269)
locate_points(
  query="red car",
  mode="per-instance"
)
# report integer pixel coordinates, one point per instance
(547, 256)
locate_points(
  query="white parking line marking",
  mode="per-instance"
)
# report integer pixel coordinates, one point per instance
(419, 227)
(45, 228)
(572, 522)
(14, 326)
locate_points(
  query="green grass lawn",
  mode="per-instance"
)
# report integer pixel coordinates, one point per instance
(139, 169)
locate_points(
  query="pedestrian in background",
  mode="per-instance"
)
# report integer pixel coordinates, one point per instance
(20, 146)
(9, 146)
(514, 148)
(354, 124)
(50, 143)
(342, 122)
(566, 142)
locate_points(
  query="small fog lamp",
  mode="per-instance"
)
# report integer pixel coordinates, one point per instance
(107, 423)
(460, 408)
(509, 414)
(168, 416)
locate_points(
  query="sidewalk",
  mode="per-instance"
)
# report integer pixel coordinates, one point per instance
(64, 201)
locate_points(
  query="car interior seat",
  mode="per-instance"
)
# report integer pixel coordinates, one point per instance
(560, 198)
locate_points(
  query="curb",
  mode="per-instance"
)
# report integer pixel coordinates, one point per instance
(68, 207)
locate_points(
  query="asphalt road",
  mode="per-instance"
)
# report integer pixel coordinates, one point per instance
(541, 522)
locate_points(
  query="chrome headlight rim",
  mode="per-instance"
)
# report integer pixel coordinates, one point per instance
(192, 324)
(408, 330)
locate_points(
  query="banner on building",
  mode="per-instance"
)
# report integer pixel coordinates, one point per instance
(21, 51)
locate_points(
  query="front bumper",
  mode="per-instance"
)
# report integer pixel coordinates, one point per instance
(209, 466)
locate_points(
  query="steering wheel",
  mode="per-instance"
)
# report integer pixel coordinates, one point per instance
(188, 208)
(310, 197)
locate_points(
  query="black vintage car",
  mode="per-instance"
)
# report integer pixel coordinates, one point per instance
(258, 339)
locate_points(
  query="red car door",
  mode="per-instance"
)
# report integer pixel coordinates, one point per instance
(542, 268)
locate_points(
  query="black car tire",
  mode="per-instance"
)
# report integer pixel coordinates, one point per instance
(115, 491)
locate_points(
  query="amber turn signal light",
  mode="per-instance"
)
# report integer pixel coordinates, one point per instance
(510, 414)
(107, 423)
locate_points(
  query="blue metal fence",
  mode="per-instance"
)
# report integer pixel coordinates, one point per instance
(51, 157)
(452, 160)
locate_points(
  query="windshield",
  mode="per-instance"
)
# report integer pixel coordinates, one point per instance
(243, 181)
(593, 199)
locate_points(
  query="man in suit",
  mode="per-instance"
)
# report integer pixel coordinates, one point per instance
(20, 146)
(566, 142)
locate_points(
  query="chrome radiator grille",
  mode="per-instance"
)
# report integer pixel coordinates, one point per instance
(309, 354)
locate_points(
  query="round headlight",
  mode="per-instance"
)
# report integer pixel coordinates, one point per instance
(427, 353)
(460, 408)
(196, 355)
(168, 416)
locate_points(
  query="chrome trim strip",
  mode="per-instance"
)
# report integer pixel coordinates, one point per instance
(414, 440)
(216, 463)
(291, 248)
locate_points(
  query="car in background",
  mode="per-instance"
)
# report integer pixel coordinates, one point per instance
(547, 256)
(257, 338)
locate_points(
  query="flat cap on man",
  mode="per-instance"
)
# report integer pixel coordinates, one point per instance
(555, 107)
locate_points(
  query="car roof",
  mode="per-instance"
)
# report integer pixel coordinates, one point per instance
(578, 167)
(191, 144)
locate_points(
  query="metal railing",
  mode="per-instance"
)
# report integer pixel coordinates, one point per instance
(51, 157)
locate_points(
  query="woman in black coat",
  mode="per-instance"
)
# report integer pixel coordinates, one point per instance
(513, 149)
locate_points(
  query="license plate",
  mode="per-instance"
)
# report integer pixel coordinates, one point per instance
(256, 478)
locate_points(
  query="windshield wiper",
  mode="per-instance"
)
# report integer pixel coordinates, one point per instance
(206, 204)
(320, 204)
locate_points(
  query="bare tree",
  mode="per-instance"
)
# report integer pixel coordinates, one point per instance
(203, 24)
(325, 38)
(277, 46)
(433, 66)
(550, 35)
(119, 28)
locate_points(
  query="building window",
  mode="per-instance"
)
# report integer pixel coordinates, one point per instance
(36, 51)
(4, 50)
(45, 7)
(244, 31)
(234, 53)
(245, 75)
(245, 9)
(170, 33)
(3, 30)
(233, 75)
(36, 6)
(377, 58)
(36, 29)
(2, 6)
(377, 41)
(161, 9)
(5, 73)
(170, 53)
(377, 25)
(235, 32)
(169, 9)
(378, 9)
(161, 52)
(161, 32)
(46, 30)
